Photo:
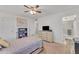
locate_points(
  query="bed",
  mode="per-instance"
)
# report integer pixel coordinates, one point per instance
(25, 45)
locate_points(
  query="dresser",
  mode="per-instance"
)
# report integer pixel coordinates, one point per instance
(46, 36)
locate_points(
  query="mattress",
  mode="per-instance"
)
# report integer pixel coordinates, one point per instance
(22, 46)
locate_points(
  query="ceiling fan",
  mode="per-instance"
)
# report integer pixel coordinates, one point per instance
(33, 9)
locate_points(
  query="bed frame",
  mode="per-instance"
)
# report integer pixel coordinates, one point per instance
(37, 51)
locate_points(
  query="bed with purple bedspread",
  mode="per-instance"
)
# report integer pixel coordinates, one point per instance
(23, 46)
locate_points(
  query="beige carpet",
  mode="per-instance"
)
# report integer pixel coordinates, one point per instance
(55, 48)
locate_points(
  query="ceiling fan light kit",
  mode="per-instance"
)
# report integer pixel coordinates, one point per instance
(32, 12)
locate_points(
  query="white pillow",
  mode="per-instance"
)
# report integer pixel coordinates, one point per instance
(4, 43)
(0, 47)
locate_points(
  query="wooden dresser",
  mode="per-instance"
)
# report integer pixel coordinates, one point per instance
(46, 35)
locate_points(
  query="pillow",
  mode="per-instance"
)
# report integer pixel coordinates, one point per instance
(4, 43)
(0, 47)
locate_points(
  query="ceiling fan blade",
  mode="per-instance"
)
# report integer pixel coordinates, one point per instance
(37, 6)
(26, 11)
(26, 6)
(39, 11)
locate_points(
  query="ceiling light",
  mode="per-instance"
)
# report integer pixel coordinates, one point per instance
(32, 12)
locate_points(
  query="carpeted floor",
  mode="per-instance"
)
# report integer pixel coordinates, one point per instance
(55, 48)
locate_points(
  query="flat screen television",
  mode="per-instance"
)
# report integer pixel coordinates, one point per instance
(46, 28)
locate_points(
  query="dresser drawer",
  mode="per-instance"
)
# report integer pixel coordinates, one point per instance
(46, 35)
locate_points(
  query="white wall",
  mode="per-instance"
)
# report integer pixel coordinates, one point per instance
(31, 27)
(7, 26)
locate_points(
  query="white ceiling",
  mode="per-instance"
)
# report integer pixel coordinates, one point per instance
(46, 9)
